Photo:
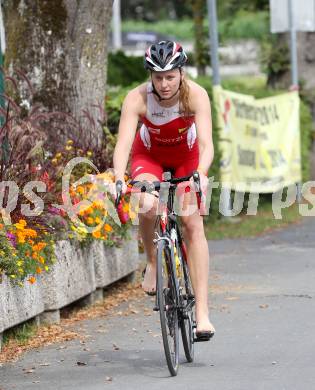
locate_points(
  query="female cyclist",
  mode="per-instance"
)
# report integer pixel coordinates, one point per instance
(175, 134)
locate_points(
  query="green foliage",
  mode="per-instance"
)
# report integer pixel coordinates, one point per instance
(306, 124)
(179, 29)
(245, 25)
(275, 58)
(240, 25)
(214, 170)
(124, 70)
(21, 333)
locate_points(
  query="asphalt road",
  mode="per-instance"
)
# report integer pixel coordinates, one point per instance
(262, 305)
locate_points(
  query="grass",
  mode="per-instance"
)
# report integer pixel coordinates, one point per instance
(243, 25)
(250, 226)
(20, 333)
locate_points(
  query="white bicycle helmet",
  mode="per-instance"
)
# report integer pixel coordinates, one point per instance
(163, 56)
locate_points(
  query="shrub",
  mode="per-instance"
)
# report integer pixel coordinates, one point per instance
(124, 70)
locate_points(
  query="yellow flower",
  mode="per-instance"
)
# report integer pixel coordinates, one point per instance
(69, 142)
(54, 161)
(90, 220)
(58, 155)
(46, 268)
(69, 147)
(41, 259)
(12, 276)
(21, 270)
(98, 220)
(89, 153)
(21, 224)
(19, 263)
(81, 230)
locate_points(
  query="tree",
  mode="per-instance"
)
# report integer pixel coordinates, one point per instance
(201, 47)
(279, 69)
(61, 46)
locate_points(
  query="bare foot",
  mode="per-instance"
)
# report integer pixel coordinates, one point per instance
(204, 325)
(149, 280)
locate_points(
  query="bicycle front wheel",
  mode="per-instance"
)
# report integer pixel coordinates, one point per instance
(187, 320)
(167, 303)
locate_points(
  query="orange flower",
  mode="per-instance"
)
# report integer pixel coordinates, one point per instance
(31, 279)
(126, 207)
(38, 270)
(96, 234)
(39, 246)
(107, 228)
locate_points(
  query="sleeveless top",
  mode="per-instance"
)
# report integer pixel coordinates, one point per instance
(164, 129)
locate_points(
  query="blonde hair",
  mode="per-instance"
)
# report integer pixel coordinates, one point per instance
(184, 98)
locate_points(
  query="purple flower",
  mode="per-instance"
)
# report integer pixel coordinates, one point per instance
(54, 210)
(12, 238)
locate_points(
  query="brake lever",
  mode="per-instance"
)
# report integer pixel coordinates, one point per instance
(196, 178)
(119, 185)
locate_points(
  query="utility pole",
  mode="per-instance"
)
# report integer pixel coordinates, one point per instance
(117, 42)
(214, 41)
(225, 198)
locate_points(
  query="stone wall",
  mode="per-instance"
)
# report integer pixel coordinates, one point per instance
(78, 273)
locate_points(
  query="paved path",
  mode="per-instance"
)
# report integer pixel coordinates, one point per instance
(263, 307)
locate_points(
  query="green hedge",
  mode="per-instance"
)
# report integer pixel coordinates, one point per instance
(124, 70)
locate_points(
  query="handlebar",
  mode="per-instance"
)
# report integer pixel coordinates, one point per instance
(156, 186)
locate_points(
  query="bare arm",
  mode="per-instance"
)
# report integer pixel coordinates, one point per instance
(130, 112)
(200, 104)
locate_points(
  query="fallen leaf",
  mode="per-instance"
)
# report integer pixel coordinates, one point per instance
(115, 347)
(44, 364)
(28, 371)
(264, 306)
(109, 379)
(81, 363)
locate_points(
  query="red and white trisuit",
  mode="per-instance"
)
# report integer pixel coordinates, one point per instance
(166, 141)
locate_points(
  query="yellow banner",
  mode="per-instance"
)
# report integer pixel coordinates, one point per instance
(259, 140)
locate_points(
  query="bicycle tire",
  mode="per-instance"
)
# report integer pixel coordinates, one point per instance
(187, 320)
(167, 303)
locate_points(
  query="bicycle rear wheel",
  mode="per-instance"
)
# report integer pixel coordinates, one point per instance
(167, 303)
(188, 301)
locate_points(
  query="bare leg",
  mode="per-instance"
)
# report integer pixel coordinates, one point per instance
(198, 262)
(146, 227)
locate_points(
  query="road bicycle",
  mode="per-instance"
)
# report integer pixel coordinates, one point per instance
(175, 300)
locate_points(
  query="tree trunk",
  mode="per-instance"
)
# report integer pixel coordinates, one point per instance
(306, 64)
(61, 45)
(200, 44)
